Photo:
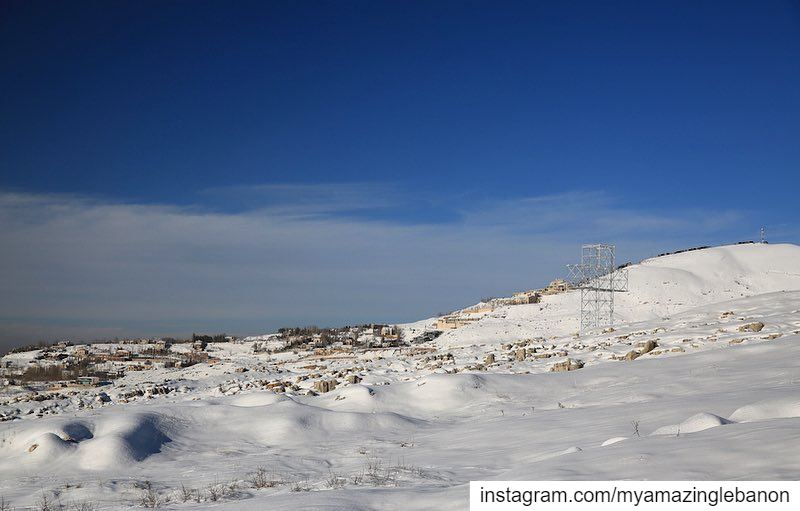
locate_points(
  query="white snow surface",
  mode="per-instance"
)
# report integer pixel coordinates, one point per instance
(711, 402)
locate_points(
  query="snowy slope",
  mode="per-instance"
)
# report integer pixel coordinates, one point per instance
(658, 288)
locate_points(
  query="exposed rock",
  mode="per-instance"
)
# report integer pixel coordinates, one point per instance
(353, 378)
(647, 347)
(631, 355)
(519, 355)
(567, 365)
(489, 359)
(642, 348)
(323, 386)
(752, 327)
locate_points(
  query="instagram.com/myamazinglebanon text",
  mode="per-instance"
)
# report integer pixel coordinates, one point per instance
(646, 495)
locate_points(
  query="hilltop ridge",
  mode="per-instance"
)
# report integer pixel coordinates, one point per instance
(658, 287)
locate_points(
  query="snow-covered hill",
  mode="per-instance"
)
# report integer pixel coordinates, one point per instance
(699, 380)
(658, 288)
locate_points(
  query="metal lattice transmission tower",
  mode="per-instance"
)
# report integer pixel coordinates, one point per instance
(598, 278)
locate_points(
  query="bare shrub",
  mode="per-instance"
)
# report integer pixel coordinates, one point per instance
(229, 489)
(263, 479)
(46, 503)
(375, 473)
(149, 497)
(84, 505)
(372, 466)
(214, 492)
(187, 494)
(5, 506)
(300, 486)
(335, 481)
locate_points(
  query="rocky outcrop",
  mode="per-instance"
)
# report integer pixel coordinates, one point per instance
(647, 347)
(752, 327)
(641, 348)
(323, 386)
(631, 355)
(567, 365)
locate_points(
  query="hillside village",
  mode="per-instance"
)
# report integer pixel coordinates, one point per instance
(64, 365)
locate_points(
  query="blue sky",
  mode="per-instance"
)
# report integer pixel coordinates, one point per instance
(204, 153)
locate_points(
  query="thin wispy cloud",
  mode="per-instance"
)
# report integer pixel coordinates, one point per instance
(594, 213)
(87, 268)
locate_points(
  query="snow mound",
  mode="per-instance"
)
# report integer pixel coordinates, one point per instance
(120, 441)
(44, 444)
(289, 423)
(260, 398)
(430, 395)
(439, 390)
(780, 408)
(695, 423)
(612, 441)
(356, 397)
(47, 447)
(110, 442)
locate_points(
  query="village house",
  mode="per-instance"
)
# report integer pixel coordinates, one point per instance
(479, 309)
(81, 352)
(525, 297)
(453, 322)
(87, 380)
(390, 332)
(555, 287)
